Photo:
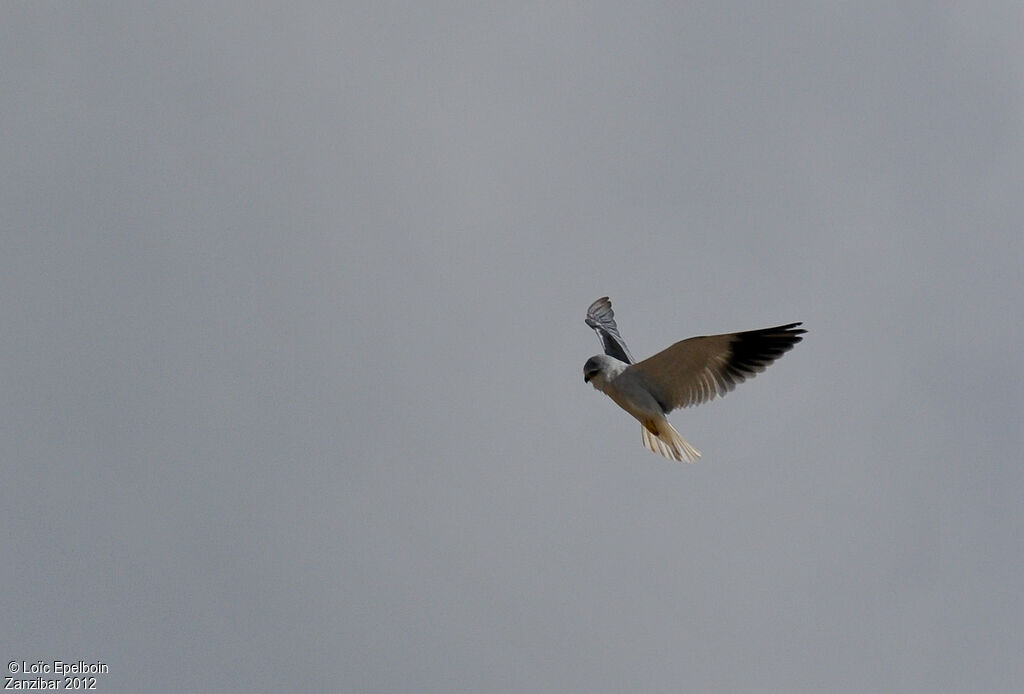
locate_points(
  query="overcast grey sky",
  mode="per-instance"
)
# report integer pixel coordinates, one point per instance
(292, 344)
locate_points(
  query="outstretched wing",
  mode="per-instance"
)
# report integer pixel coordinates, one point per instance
(696, 370)
(601, 318)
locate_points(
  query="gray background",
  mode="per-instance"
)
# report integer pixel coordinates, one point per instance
(292, 337)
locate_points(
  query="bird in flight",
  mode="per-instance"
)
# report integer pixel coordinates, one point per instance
(688, 373)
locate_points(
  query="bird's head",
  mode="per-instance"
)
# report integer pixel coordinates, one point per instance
(599, 368)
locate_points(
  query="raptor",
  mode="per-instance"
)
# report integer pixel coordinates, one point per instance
(688, 373)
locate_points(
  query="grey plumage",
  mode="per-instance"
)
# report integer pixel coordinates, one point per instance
(688, 373)
(601, 318)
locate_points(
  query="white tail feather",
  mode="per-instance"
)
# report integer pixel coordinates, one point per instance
(669, 443)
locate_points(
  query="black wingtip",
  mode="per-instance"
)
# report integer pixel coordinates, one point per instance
(791, 329)
(754, 350)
